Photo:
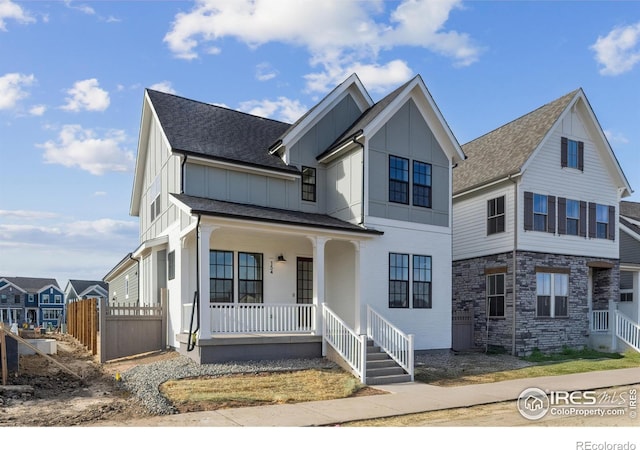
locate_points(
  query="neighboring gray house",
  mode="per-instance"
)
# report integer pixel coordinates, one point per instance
(122, 280)
(535, 208)
(630, 260)
(85, 289)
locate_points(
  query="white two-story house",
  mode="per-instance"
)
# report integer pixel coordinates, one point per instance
(268, 233)
(536, 242)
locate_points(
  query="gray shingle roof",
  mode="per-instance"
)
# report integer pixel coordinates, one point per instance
(219, 133)
(31, 285)
(505, 150)
(630, 209)
(219, 208)
(82, 285)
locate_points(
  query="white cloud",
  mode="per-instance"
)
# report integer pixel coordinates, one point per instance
(87, 95)
(12, 88)
(619, 51)
(21, 214)
(264, 72)
(99, 194)
(37, 110)
(616, 137)
(163, 86)
(11, 11)
(82, 148)
(283, 109)
(336, 33)
(86, 9)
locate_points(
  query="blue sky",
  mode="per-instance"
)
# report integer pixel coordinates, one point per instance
(72, 76)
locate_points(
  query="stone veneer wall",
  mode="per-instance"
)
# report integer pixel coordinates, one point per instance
(545, 334)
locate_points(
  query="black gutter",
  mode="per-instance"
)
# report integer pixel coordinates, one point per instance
(291, 170)
(184, 163)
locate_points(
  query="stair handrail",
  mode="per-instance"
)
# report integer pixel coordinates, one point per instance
(396, 343)
(627, 330)
(351, 346)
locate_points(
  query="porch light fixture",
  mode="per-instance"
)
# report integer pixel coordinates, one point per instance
(281, 258)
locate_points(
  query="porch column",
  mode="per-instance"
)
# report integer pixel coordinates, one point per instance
(203, 282)
(360, 327)
(318, 243)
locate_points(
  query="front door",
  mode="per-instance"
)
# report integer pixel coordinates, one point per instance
(304, 289)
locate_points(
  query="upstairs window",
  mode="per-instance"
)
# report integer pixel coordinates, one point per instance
(398, 180)
(540, 212)
(495, 215)
(572, 154)
(602, 221)
(422, 184)
(154, 195)
(309, 184)
(171, 265)
(16, 298)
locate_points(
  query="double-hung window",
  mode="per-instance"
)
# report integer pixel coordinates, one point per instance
(540, 212)
(398, 180)
(495, 294)
(421, 184)
(250, 277)
(308, 184)
(552, 294)
(221, 276)
(398, 280)
(602, 221)
(573, 217)
(495, 215)
(572, 153)
(421, 281)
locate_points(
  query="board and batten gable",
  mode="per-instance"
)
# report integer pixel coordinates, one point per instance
(471, 238)
(344, 182)
(161, 177)
(407, 135)
(544, 174)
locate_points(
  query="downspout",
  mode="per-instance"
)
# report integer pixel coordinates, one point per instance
(514, 262)
(195, 308)
(184, 163)
(138, 273)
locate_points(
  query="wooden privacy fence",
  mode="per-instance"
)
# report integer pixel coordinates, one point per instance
(131, 329)
(82, 323)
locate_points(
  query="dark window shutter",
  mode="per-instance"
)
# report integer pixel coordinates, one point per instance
(583, 219)
(581, 155)
(563, 152)
(562, 215)
(551, 211)
(528, 210)
(611, 228)
(592, 220)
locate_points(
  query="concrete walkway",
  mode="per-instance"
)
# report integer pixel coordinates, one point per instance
(404, 398)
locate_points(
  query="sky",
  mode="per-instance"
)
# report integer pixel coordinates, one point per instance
(73, 74)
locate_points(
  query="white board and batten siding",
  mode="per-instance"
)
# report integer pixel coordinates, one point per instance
(544, 175)
(432, 326)
(470, 238)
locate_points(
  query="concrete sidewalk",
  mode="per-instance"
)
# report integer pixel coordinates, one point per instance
(404, 398)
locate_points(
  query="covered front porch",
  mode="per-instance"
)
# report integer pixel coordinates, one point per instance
(256, 290)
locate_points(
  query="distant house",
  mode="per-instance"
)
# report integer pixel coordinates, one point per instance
(630, 260)
(536, 246)
(258, 228)
(122, 280)
(85, 289)
(35, 301)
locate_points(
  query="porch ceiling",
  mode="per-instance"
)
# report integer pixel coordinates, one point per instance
(240, 211)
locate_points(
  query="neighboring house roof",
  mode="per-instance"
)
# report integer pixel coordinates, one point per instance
(32, 285)
(505, 150)
(84, 287)
(210, 131)
(630, 216)
(218, 208)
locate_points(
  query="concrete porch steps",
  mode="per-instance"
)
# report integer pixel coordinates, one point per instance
(381, 369)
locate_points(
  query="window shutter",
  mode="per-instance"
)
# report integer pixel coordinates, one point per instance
(562, 215)
(592, 220)
(563, 152)
(581, 155)
(583, 219)
(551, 211)
(528, 210)
(611, 228)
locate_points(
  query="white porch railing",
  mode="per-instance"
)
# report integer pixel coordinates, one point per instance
(262, 318)
(628, 331)
(600, 321)
(350, 346)
(391, 339)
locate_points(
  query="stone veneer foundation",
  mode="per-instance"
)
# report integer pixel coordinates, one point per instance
(532, 332)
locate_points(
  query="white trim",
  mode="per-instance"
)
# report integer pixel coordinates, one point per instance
(334, 153)
(9, 283)
(49, 286)
(632, 234)
(97, 287)
(147, 246)
(487, 185)
(239, 167)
